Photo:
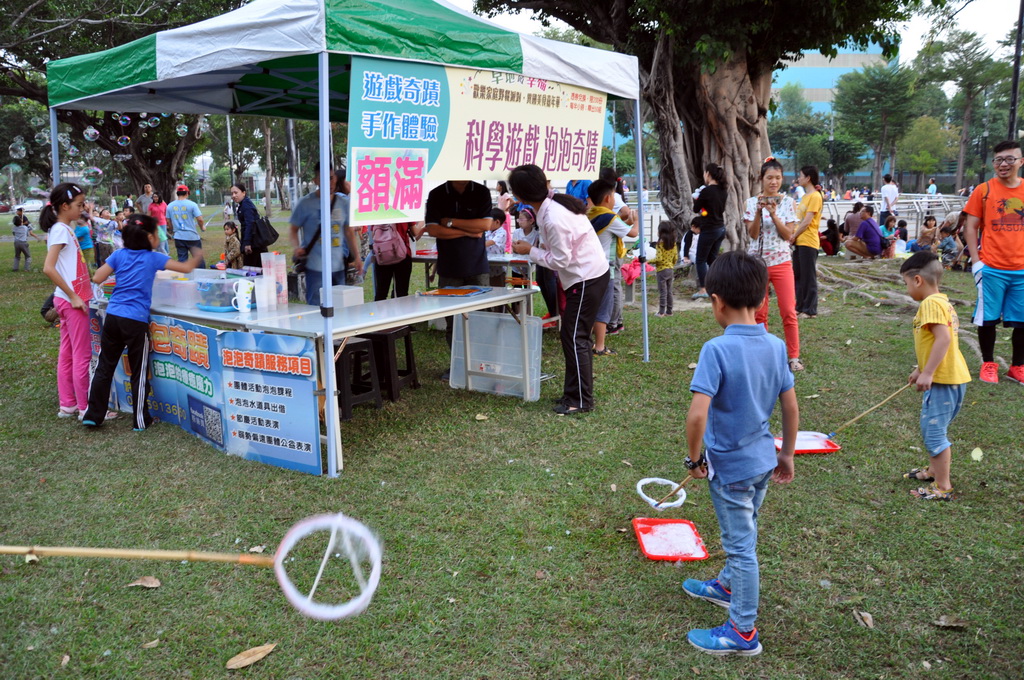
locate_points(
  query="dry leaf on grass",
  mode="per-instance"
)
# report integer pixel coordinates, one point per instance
(622, 530)
(614, 488)
(481, 416)
(249, 656)
(65, 660)
(626, 462)
(257, 548)
(31, 559)
(145, 582)
(927, 666)
(849, 342)
(950, 622)
(812, 396)
(151, 644)
(977, 454)
(864, 619)
(691, 366)
(541, 575)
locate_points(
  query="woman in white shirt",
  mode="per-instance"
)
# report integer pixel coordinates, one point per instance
(770, 219)
(574, 252)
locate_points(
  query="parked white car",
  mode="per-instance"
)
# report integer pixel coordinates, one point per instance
(33, 205)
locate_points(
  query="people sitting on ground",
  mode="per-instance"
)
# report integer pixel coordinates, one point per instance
(949, 248)
(927, 239)
(889, 232)
(867, 242)
(829, 239)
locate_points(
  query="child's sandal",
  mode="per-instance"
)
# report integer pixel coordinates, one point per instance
(918, 475)
(932, 493)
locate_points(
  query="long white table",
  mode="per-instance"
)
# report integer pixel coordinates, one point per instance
(429, 261)
(239, 320)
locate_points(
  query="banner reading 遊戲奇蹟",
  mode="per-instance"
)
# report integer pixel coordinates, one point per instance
(413, 126)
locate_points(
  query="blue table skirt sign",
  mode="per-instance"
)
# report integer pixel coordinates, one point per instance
(270, 403)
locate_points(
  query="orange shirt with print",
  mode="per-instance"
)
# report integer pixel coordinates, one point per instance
(1002, 224)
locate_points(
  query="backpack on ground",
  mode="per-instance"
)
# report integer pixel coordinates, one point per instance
(389, 245)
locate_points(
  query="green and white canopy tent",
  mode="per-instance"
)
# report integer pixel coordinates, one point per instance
(292, 59)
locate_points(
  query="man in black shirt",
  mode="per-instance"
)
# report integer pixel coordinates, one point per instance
(458, 214)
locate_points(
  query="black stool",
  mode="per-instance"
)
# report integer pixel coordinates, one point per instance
(385, 348)
(356, 370)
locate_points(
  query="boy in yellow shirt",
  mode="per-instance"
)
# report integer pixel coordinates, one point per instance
(941, 371)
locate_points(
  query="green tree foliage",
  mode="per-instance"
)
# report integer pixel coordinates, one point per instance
(793, 124)
(873, 105)
(709, 65)
(963, 60)
(37, 31)
(926, 144)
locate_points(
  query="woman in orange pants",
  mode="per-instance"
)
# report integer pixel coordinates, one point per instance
(770, 219)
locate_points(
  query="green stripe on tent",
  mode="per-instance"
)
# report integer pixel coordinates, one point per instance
(90, 74)
(411, 30)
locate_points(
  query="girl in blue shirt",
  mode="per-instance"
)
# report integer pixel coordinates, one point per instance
(127, 322)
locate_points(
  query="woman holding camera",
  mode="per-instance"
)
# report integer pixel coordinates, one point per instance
(770, 219)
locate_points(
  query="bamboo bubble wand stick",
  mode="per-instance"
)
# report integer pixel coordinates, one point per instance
(851, 422)
(116, 553)
(674, 491)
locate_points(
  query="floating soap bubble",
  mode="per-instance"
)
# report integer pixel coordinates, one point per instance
(19, 138)
(143, 123)
(124, 140)
(42, 138)
(91, 134)
(159, 161)
(178, 116)
(106, 154)
(64, 138)
(125, 121)
(11, 167)
(92, 175)
(182, 130)
(37, 121)
(122, 157)
(115, 116)
(165, 115)
(154, 121)
(204, 125)
(157, 144)
(72, 150)
(17, 149)
(144, 115)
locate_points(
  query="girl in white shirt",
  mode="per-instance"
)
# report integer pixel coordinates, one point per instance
(66, 267)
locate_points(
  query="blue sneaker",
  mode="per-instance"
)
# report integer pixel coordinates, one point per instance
(712, 591)
(723, 640)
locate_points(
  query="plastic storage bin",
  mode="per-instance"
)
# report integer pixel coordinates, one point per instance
(174, 293)
(215, 295)
(496, 347)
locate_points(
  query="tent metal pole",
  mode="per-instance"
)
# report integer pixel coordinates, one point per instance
(333, 425)
(231, 153)
(54, 147)
(638, 140)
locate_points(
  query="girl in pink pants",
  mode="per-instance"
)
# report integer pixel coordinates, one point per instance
(66, 267)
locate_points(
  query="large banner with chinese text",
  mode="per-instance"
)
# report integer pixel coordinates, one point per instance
(463, 124)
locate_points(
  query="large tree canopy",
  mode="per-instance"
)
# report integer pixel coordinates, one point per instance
(37, 31)
(708, 64)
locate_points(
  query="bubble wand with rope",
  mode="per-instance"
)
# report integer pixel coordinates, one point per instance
(352, 537)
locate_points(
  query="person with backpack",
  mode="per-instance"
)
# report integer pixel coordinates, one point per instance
(391, 256)
(994, 234)
(610, 231)
(247, 217)
(305, 238)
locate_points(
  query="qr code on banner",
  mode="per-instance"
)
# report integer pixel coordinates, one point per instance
(214, 425)
(206, 420)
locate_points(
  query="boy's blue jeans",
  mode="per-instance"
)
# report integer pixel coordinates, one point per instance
(736, 506)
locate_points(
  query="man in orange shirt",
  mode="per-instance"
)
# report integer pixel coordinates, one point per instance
(995, 213)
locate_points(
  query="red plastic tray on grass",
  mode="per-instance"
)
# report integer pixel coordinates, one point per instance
(811, 442)
(675, 540)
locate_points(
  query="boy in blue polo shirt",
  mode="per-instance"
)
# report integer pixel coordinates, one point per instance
(739, 377)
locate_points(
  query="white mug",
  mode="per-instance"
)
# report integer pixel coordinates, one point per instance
(243, 295)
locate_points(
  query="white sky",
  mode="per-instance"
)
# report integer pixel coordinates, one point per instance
(991, 19)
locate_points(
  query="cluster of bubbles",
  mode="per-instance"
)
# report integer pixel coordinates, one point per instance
(91, 134)
(37, 121)
(122, 156)
(72, 150)
(42, 137)
(17, 149)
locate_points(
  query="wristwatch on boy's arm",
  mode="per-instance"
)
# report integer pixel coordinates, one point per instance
(694, 464)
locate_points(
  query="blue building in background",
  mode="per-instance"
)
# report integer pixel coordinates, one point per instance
(817, 75)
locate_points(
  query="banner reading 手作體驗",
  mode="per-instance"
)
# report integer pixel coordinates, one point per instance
(413, 126)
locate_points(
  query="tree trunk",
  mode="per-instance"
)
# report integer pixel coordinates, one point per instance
(965, 138)
(268, 164)
(727, 124)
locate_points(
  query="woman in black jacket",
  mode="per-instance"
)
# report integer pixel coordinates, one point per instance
(247, 215)
(710, 206)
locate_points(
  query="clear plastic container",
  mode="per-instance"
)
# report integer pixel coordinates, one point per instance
(496, 349)
(215, 294)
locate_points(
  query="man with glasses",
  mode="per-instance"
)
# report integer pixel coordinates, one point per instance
(994, 233)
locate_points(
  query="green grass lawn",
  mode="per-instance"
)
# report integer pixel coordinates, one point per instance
(508, 553)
